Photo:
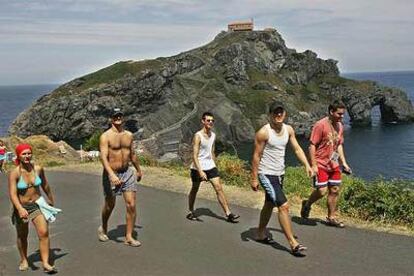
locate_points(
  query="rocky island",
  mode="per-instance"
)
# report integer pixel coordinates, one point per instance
(235, 76)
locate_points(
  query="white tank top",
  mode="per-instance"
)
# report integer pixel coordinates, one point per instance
(273, 157)
(205, 158)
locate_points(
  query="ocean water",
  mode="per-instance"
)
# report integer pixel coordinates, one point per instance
(15, 99)
(379, 150)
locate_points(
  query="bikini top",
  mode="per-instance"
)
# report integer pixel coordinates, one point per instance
(21, 185)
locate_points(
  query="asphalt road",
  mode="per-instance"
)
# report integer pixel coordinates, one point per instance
(173, 245)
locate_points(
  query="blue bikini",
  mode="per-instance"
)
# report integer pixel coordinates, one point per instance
(21, 185)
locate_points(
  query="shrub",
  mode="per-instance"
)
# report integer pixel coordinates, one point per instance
(388, 201)
(233, 170)
(147, 160)
(93, 142)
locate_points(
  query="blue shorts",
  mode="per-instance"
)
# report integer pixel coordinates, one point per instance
(273, 186)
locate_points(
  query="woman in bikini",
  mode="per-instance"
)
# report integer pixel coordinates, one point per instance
(24, 189)
(2, 155)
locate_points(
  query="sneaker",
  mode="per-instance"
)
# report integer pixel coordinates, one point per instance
(101, 235)
(305, 210)
(232, 218)
(191, 216)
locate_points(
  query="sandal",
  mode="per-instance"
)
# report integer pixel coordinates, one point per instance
(298, 250)
(51, 270)
(334, 222)
(191, 216)
(232, 218)
(267, 240)
(133, 243)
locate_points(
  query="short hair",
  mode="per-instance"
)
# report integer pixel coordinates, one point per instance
(335, 105)
(205, 114)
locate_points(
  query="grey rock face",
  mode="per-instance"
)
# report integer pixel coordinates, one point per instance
(235, 76)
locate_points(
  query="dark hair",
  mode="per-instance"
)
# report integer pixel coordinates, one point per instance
(205, 114)
(335, 105)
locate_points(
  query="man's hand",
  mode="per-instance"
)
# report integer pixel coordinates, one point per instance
(114, 180)
(255, 185)
(346, 169)
(203, 175)
(309, 171)
(139, 175)
(315, 169)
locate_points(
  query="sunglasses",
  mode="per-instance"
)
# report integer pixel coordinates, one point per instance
(210, 120)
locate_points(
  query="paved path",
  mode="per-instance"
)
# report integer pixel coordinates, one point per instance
(173, 245)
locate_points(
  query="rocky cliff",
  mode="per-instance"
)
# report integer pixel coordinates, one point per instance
(235, 76)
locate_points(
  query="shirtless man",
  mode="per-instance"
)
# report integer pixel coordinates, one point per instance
(268, 168)
(117, 151)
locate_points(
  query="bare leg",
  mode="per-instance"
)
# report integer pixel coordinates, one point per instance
(192, 196)
(265, 216)
(130, 201)
(107, 211)
(220, 194)
(332, 200)
(316, 195)
(42, 229)
(22, 233)
(284, 221)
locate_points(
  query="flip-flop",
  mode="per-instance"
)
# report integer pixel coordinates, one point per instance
(133, 243)
(267, 240)
(101, 235)
(298, 250)
(50, 271)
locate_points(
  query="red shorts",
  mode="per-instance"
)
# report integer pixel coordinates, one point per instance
(327, 178)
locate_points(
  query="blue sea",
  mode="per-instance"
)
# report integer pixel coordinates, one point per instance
(379, 150)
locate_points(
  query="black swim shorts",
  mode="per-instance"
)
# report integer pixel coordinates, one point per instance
(212, 173)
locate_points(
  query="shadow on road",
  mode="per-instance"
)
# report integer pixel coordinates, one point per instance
(118, 234)
(54, 255)
(250, 235)
(308, 221)
(199, 212)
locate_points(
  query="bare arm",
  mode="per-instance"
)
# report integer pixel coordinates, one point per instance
(298, 151)
(312, 156)
(196, 162)
(135, 160)
(342, 158)
(13, 177)
(13, 190)
(104, 149)
(259, 144)
(45, 186)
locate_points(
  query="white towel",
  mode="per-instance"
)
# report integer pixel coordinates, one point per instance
(49, 212)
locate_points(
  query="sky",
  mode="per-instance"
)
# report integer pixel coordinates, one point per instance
(54, 41)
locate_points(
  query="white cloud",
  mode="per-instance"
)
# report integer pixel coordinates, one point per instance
(345, 30)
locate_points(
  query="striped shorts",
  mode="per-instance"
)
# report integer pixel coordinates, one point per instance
(273, 186)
